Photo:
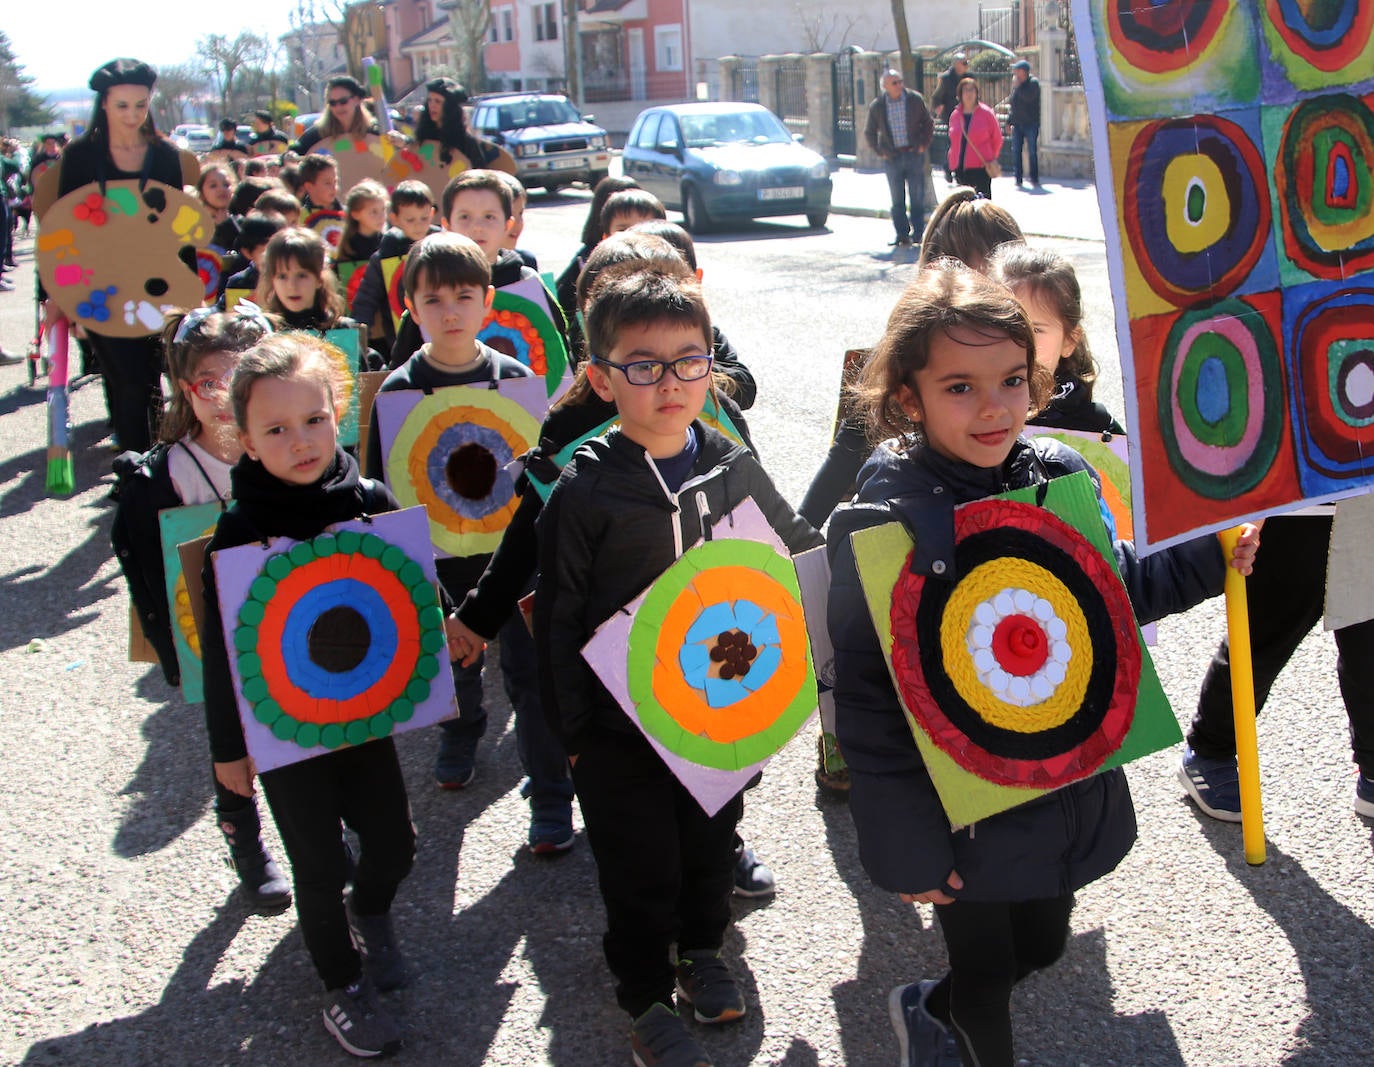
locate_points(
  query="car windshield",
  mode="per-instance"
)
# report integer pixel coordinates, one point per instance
(747, 127)
(544, 112)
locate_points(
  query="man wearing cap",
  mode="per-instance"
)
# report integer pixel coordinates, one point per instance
(899, 129)
(1024, 120)
(946, 98)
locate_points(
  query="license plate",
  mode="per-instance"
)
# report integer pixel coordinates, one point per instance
(787, 192)
(565, 164)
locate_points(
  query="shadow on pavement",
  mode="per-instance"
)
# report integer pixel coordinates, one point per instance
(172, 786)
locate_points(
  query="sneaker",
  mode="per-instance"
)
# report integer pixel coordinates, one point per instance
(551, 833)
(704, 982)
(1214, 784)
(658, 1039)
(832, 775)
(359, 1022)
(383, 962)
(456, 766)
(6, 286)
(922, 1040)
(1364, 796)
(753, 878)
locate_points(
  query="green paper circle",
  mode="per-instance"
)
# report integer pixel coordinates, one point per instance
(356, 732)
(401, 710)
(308, 735)
(332, 735)
(642, 654)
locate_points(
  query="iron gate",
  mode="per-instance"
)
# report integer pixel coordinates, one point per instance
(846, 142)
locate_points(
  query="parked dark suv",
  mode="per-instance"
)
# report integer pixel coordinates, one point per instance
(552, 143)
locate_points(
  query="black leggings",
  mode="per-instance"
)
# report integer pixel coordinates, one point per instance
(992, 946)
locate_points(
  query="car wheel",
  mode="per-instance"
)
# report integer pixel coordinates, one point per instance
(816, 219)
(694, 212)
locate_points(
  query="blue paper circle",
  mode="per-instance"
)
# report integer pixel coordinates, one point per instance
(313, 679)
(453, 438)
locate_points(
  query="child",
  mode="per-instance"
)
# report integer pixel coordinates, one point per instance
(592, 234)
(319, 189)
(293, 481)
(366, 207)
(617, 519)
(297, 284)
(1045, 284)
(257, 230)
(518, 199)
(190, 465)
(448, 280)
(411, 216)
(952, 381)
(279, 201)
(629, 208)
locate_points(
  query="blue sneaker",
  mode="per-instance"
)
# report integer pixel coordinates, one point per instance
(1364, 796)
(551, 827)
(457, 762)
(922, 1040)
(1214, 784)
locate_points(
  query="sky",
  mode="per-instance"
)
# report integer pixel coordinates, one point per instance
(100, 30)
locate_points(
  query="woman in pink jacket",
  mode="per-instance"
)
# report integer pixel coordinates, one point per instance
(975, 139)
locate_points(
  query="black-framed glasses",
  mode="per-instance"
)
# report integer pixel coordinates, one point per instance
(340, 102)
(651, 371)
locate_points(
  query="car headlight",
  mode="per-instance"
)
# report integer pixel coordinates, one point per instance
(597, 142)
(820, 170)
(531, 149)
(727, 177)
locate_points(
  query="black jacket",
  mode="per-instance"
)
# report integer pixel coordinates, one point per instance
(145, 489)
(1049, 846)
(372, 298)
(1025, 104)
(609, 529)
(1073, 408)
(512, 566)
(265, 507)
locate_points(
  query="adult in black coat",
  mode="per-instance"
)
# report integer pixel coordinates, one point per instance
(946, 98)
(1024, 120)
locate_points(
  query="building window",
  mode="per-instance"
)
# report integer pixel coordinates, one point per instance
(494, 32)
(507, 24)
(668, 47)
(546, 22)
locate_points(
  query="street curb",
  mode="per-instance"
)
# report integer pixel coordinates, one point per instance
(884, 213)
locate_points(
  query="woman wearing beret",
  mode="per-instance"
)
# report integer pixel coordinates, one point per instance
(346, 114)
(441, 119)
(123, 143)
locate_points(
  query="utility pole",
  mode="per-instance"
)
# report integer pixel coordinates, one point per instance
(572, 52)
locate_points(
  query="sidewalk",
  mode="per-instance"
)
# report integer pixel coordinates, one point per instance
(1063, 208)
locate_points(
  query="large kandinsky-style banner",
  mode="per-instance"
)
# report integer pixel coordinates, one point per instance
(1234, 144)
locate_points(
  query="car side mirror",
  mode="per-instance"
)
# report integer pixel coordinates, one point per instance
(588, 118)
(798, 138)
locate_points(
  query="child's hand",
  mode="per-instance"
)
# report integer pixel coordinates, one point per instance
(237, 775)
(1247, 544)
(463, 643)
(935, 896)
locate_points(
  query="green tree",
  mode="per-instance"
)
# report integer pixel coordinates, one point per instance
(19, 104)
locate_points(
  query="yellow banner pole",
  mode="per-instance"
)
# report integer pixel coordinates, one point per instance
(1243, 705)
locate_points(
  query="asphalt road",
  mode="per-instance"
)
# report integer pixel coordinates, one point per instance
(121, 941)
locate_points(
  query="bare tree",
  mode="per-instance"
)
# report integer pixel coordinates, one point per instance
(224, 59)
(469, 21)
(903, 40)
(362, 32)
(818, 28)
(179, 87)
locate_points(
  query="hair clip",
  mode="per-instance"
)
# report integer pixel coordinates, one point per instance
(190, 321)
(246, 309)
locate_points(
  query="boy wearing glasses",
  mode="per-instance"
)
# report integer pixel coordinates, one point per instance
(626, 507)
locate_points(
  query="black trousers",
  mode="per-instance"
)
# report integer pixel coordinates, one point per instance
(665, 869)
(992, 946)
(361, 788)
(132, 368)
(975, 178)
(1286, 594)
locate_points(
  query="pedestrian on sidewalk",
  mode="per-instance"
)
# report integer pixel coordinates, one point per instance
(975, 139)
(946, 98)
(1024, 121)
(899, 129)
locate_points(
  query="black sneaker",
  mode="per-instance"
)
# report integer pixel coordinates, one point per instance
(753, 878)
(704, 982)
(376, 942)
(1364, 796)
(456, 764)
(658, 1039)
(1214, 784)
(359, 1022)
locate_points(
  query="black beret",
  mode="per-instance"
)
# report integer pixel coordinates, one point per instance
(122, 72)
(447, 87)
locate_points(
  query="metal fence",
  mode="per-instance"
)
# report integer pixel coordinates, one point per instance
(791, 89)
(746, 80)
(1002, 25)
(1068, 69)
